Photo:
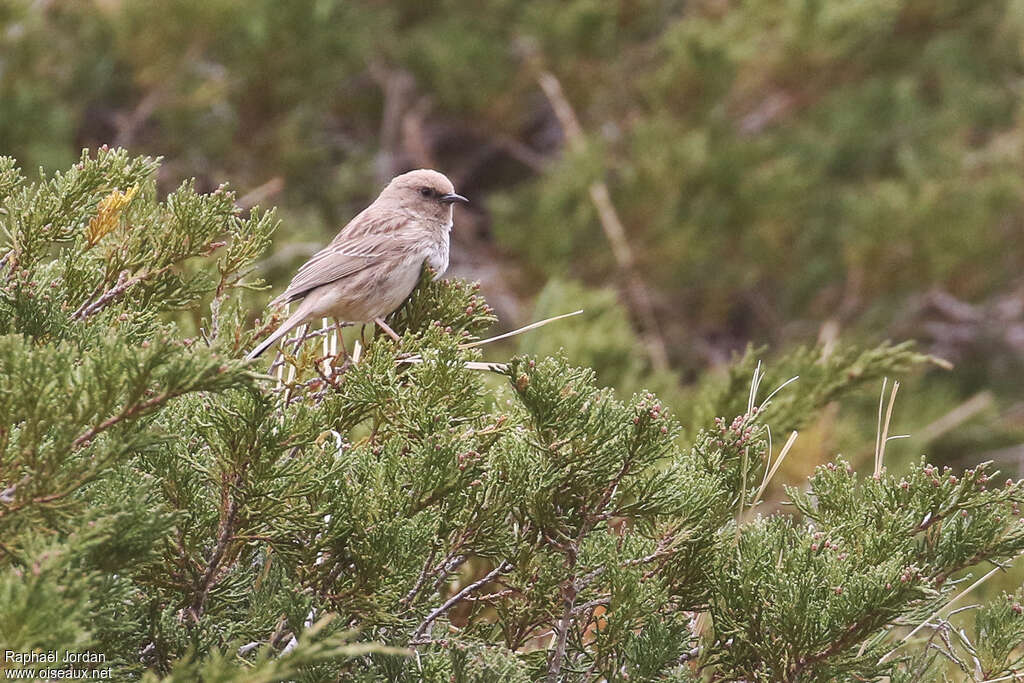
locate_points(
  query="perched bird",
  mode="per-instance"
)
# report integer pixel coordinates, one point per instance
(374, 262)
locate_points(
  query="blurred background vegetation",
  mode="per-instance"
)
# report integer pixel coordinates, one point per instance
(784, 173)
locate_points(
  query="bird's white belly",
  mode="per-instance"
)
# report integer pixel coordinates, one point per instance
(437, 255)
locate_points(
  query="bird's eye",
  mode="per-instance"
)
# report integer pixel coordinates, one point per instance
(426, 191)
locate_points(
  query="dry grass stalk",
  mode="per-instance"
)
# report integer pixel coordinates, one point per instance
(772, 467)
(882, 435)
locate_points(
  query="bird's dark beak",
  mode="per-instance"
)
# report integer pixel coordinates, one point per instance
(451, 198)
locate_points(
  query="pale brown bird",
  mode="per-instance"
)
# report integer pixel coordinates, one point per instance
(374, 262)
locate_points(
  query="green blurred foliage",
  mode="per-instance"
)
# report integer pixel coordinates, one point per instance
(778, 167)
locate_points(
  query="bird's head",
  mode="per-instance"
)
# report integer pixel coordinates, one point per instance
(424, 193)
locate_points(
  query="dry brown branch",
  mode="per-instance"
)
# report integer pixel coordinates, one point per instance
(128, 124)
(636, 290)
(397, 86)
(954, 418)
(261, 193)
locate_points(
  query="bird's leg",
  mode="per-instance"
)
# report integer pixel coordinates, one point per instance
(338, 350)
(387, 330)
(341, 340)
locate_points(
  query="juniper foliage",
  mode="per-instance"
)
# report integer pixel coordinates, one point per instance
(405, 517)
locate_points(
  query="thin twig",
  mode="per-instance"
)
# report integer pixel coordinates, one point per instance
(421, 580)
(936, 613)
(125, 414)
(569, 593)
(227, 530)
(124, 283)
(452, 601)
(1016, 676)
(597, 602)
(446, 567)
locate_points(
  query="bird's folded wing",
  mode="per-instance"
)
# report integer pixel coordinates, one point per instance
(336, 261)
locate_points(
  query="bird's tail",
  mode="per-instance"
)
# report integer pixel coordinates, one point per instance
(285, 328)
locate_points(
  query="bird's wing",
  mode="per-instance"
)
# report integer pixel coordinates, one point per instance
(369, 221)
(337, 260)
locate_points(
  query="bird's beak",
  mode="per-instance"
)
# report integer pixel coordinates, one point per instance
(451, 198)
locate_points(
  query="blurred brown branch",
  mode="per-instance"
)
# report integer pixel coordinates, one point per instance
(615, 232)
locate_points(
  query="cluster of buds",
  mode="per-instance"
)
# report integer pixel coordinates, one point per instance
(655, 411)
(933, 473)
(738, 433)
(820, 542)
(463, 460)
(477, 303)
(447, 328)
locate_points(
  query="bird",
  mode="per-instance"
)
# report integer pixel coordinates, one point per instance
(375, 261)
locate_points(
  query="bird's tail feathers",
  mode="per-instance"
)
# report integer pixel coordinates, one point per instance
(285, 328)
